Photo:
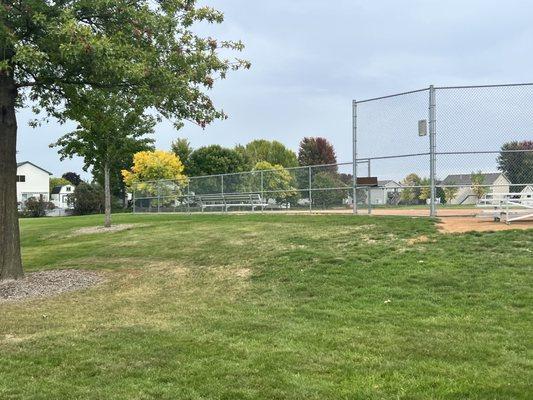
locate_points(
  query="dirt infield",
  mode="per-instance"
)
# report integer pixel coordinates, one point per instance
(469, 224)
(451, 220)
(459, 220)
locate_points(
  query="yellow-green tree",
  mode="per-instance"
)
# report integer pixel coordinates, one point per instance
(277, 182)
(154, 172)
(411, 189)
(153, 166)
(450, 192)
(478, 180)
(425, 190)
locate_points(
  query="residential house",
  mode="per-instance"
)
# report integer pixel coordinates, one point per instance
(60, 196)
(32, 181)
(526, 194)
(387, 192)
(494, 183)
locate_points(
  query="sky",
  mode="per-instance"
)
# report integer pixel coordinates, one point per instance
(310, 58)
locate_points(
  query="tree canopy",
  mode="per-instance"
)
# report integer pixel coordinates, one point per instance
(142, 48)
(72, 177)
(181, 147)
(278, 183)
(153, 166)
(272, 152)
(516, 162)
(215, 159)
(315, 151)
(110, 130)
(411, 190)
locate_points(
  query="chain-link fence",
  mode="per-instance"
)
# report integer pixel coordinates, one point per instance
(318, 187)
(428, 150)
(450, 147)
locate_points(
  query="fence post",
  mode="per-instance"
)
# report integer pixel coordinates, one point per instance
(222, 184)
(432, 149)
(189, 196)
(354, 156)
(309, 187)
(262, 187)
(158, 197)
(133, 198)
(369, 194)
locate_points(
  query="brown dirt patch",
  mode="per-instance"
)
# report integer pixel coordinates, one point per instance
(468, 224)
(48, 283)
(101, 229)
(418, 239)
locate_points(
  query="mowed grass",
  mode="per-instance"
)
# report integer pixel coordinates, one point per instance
(273, 307)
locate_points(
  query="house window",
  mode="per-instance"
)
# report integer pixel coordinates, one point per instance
(68, 188)
(21, 178)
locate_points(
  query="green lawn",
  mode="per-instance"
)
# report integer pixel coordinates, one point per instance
(273, 307)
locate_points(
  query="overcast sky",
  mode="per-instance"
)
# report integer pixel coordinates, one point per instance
(310, 58)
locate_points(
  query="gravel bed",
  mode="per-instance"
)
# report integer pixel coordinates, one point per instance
(48, 283)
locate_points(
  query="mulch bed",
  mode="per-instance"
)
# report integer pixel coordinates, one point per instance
(48, 283)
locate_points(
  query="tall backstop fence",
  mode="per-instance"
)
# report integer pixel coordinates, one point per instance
(427, 149)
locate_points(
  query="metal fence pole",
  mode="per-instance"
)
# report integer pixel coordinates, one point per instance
(133, 198)
(432, 149)
(354, 156)
(189, 196)
(310, 195)
(262, 188)
(158, 198)
(222, 184)
(369, 194)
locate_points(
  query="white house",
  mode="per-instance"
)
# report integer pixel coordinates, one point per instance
(387, 192)
(32, 181)
(527, 194)
(494, 182)
(60, 195)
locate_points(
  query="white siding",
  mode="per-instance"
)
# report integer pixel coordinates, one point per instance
(380, 195)
(500, 185)
(61, 200)
(36, 183)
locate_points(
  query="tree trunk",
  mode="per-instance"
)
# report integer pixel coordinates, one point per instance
(107, 196)
(10, 260)
(124, 194)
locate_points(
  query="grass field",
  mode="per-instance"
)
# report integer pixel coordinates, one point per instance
(273, 307)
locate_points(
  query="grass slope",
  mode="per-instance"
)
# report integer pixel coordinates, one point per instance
(273, 307)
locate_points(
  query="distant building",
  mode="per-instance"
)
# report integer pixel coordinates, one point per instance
(60, 196)
(495, 183)
(387, 192)
(32, 181)
(527, 194)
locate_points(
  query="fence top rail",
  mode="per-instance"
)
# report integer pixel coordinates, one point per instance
(444, 88)
(485, 86)
(390, 95)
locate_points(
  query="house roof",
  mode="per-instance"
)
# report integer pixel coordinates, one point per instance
(466, 179)
(36, 166)
(387, 181)
(56, 189)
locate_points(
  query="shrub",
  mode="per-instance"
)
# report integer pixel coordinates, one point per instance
(328, 198)
(35, 208)
(87, 199)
